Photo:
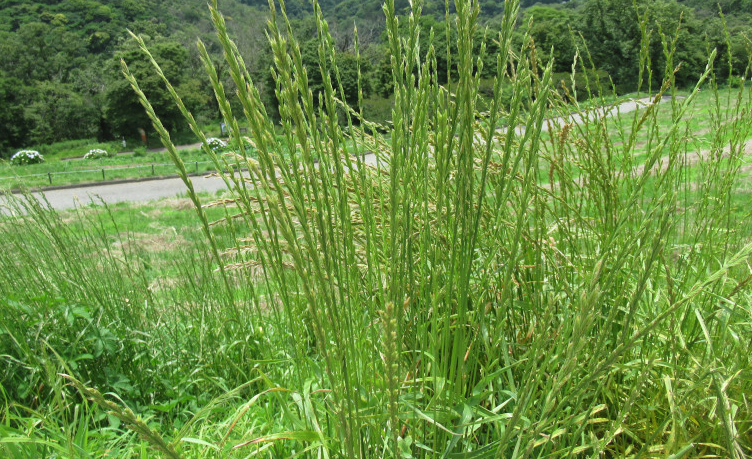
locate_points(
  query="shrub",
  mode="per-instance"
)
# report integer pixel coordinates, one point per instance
(24, 157)
(584, 82)
(378, 109)
(98, 153)
(216, 144)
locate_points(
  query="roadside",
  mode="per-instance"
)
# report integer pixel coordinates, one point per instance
(192, 146)
(131, 190)
(149, 188)
(111, 193)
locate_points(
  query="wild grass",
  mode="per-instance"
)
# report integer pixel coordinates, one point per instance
(444, 302)
(72, 148)
(139, 164)
(74, 171)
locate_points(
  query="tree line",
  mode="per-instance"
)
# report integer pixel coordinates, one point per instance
(60, 73)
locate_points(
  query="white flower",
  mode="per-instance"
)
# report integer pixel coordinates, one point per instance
(215, 143)
(96, 153)
(24, 157)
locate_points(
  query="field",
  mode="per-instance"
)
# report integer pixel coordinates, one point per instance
(566, 289)
(64, 170)
(75, 171)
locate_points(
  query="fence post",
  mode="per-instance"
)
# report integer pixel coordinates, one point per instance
(103, 175)
(152, 169)
(49, 174)
(196, 167)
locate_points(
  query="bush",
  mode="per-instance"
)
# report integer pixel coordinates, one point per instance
(582, 79)
(378, 109)
(98, 153)
(24, 157)
(735, 81)
(216, 144)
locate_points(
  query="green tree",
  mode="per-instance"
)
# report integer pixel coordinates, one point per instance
(611, 29)
(12, 124)
(123, 110)
(348, 72)
(57, 112)
(678, 22)
(549, 28)
(347, 63)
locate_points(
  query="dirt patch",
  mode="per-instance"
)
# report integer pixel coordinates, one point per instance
(163, 283)
(77, 215)
(176, 203)
(693, 158)
(160, 242)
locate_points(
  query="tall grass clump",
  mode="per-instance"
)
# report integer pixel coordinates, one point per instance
(79, 296)
(446, 288)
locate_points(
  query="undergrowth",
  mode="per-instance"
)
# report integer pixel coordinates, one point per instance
(445, 301)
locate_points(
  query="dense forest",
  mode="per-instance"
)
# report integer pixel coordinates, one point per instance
(60, 74)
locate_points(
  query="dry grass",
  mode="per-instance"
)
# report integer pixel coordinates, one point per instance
(150, 242)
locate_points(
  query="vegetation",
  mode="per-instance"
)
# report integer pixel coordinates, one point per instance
(24, 157)
(446, 302)
(59, 61)
(130, 165)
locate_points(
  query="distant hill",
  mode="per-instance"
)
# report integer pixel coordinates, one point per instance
(60, 78)
(56, 59)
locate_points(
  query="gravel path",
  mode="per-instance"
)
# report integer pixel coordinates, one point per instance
(144, 191)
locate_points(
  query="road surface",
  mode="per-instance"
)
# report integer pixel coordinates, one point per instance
(140, 191)
(144, 191)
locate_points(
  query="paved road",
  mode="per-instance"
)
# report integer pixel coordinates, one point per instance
(142, 191)
(118, 192)
(600, 112)
(157, 189)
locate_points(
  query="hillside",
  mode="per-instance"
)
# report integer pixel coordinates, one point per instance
(57, 66)
(60, 78)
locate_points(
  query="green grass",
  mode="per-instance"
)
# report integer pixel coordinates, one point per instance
(85, 171)
(698, 127)
(123, 166)
(447, 303)
(73, 148)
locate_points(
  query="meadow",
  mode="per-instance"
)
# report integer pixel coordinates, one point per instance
(79, 171)
(569, 290)
(63, 169)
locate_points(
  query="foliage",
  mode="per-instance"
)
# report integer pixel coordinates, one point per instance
(98, 153)
(59, 81)
(11, 115)
(92, 317)
(573, 283)
(551, 30)
(55, 63)
(469, 291)
(25, 157)
(215, 143)
(378, 110)
(123, 110)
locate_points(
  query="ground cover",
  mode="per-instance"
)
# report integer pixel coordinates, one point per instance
(68, 172)
(129, 165)
(448, 304)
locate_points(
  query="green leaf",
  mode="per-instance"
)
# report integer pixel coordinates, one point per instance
(298, 435)
(199, 442)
